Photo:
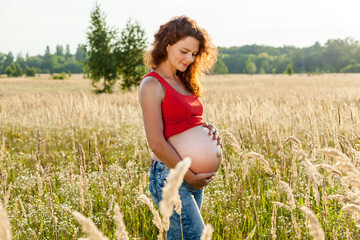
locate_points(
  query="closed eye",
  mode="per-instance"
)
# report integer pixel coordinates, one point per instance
(194, 54)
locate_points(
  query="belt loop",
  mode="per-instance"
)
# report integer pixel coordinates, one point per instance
(153, 163)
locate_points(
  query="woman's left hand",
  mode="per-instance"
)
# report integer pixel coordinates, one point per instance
(213, 130)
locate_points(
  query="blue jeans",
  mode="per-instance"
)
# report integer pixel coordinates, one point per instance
(191, 199)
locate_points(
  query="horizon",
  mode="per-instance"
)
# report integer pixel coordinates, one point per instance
(73, 51)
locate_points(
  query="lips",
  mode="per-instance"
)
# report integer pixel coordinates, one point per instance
(185, 65)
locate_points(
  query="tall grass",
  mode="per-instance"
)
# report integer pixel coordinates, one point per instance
(64, 149)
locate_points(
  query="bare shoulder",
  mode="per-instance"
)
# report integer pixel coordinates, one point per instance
(151, 86)
(150, 81)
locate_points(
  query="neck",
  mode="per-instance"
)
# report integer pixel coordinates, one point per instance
(167, 70)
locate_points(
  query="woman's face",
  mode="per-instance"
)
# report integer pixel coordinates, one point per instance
(183, 52)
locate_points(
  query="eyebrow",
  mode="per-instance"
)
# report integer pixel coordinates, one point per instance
(188, 49)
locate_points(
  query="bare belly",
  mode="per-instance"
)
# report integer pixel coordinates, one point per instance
(196, 143)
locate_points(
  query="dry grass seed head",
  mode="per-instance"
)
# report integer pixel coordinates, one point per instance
(156, 217)
(334, 153)
(251, 234)
(351, 208)
(292, 139)
(290, 195)
(313, 224)
(5, 228)
(207, 232)
(120, 232)
(265, 163)
(283, 205)
(89, 227)
(170, 191)
(233, 142)
(330, 168)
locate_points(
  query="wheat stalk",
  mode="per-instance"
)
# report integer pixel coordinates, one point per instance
(251, 234)
(290, 195)
(89, 227)
(351, 208)
(120, 232)
(273, 222)
(330, 168)
(101, 169)
(170, 192)
(156, 217)
(265, 163)
(233, 142)
(314, 226)
(5, 232)
(207, 232)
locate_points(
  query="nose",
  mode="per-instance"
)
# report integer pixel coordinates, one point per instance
(190, 57)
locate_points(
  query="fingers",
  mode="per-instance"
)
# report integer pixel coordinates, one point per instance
(215, 136)
(211, 128)
(213, 131)
(218, 153)
(206, 175)
(219, 142)
(210, 179)
(204, 179)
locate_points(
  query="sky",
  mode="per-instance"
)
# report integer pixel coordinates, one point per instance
(28, 26)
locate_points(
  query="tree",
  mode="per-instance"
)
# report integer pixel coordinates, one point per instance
(49, 61)
(21, 61)
(289, 69)
(220, 67)
(67, 53)
(250, 67)
(130, 49)
(9, 71)
(101, 62)
(30, 72)
(59, 50)
(9, 59)
(14, 70)
(80, 54)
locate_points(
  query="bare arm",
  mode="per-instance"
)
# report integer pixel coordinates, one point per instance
(151, 95)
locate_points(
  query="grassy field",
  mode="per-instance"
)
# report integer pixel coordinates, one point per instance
(64, 149)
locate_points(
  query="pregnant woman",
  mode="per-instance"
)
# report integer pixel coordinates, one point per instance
(172, 110)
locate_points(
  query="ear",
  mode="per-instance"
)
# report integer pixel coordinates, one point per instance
(167, 47)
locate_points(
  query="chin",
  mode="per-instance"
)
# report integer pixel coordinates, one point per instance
(182, 69)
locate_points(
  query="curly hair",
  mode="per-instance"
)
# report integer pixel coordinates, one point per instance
(171, 32)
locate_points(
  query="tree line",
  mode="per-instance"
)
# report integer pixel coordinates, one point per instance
(61, 60)
(335, 56)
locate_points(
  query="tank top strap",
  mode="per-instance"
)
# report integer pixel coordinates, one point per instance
(163, 82)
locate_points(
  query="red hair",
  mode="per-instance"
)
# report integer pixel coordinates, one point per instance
(175, 30)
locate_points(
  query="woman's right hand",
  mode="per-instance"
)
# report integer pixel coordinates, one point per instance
(200, 180)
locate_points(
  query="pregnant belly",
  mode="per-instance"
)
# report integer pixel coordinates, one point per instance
(196, 143)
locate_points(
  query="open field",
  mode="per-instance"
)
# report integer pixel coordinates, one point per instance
(46, 123)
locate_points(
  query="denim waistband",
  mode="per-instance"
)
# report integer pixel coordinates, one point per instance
(158, 164)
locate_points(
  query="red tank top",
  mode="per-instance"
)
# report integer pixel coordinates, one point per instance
(180, 112)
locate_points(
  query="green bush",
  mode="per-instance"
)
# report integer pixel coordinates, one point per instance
(289, 70)
(30, 72)
(61, 76)
(14, 70)
(351, 68)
